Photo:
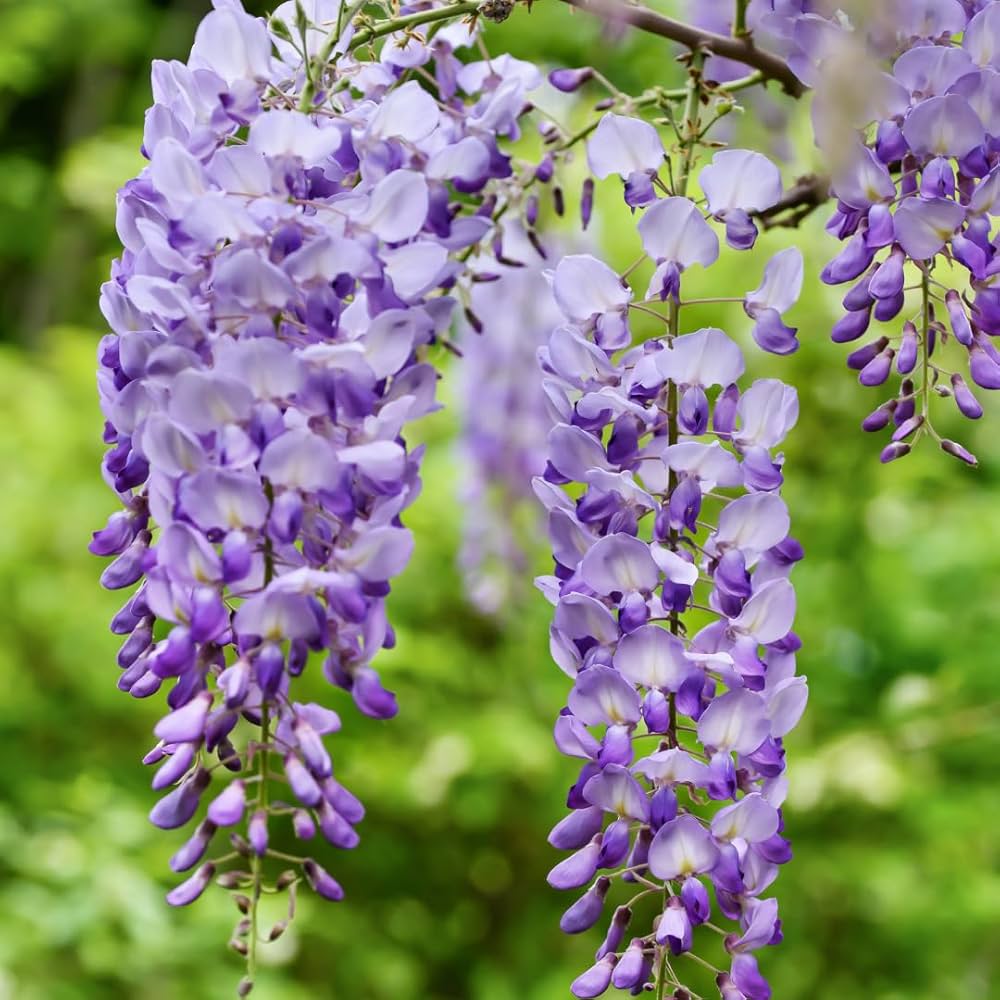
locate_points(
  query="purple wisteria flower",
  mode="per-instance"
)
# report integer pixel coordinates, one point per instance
(921, 188)
(289, 254)
(504, 418)
(672, 605)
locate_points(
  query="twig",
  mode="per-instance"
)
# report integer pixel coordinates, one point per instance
(741, 49)
(798, 202)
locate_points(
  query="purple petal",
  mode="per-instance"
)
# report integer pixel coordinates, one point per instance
(673, 230)
(622, 145)
(680, 848)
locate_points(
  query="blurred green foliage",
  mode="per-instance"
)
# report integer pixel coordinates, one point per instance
(894, 810)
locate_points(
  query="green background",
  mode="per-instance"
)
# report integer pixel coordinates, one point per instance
(894, 893)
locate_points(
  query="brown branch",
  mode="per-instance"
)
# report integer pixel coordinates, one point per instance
(799, 201)
(741, 49)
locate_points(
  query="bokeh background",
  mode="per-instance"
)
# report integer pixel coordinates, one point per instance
(894, 893)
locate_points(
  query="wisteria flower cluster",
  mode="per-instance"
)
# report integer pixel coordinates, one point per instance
(329, 193)
(673, 608)
(288, 255)
(916, 201)
(504, 419)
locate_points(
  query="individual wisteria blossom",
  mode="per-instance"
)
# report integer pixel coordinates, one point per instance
(288, 255)
(673, 608)
(503, 419)
(917, 198)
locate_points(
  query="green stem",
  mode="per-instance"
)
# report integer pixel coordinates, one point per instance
(661, 976)
(256, 866)
(925, 307)
(408, 21)
(263, 776)
(740, 19)
(688, 142)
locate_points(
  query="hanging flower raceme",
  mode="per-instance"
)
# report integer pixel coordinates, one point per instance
(673, 608)
(504, 419)
(920, 188)
(288, 253)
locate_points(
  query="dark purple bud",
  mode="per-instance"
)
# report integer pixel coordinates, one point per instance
(135, 645)
(129, 566)
(187, 723)
(578, 869)
(888, 309)
(586, 911)
(115, 536)
(257, 832)
(955, 449)
(880, 231)
(545, 169)
(906, 357)
(983, 368)
(335, 828)
(858, 359)
(303, 825)
(176, 654)
(568, 80)
(227, 808)
(850, 326)
(964, 398)
(898, 449)
(322, 882)
(194, 849)
(178, 806)
(531, 211)
(345, 802)
(616, 931)
(887, 281)
(852, 261)
(631, 968)
(959, 320)
(587, 202)
(724, 415)
(558, 204)
(188, 891)
(177, 765)
(577, 829)
(858, 297)
(907, 427)
(595, 980)
(371, 698)
(877, 370)
(312, 748)
(302, 783)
